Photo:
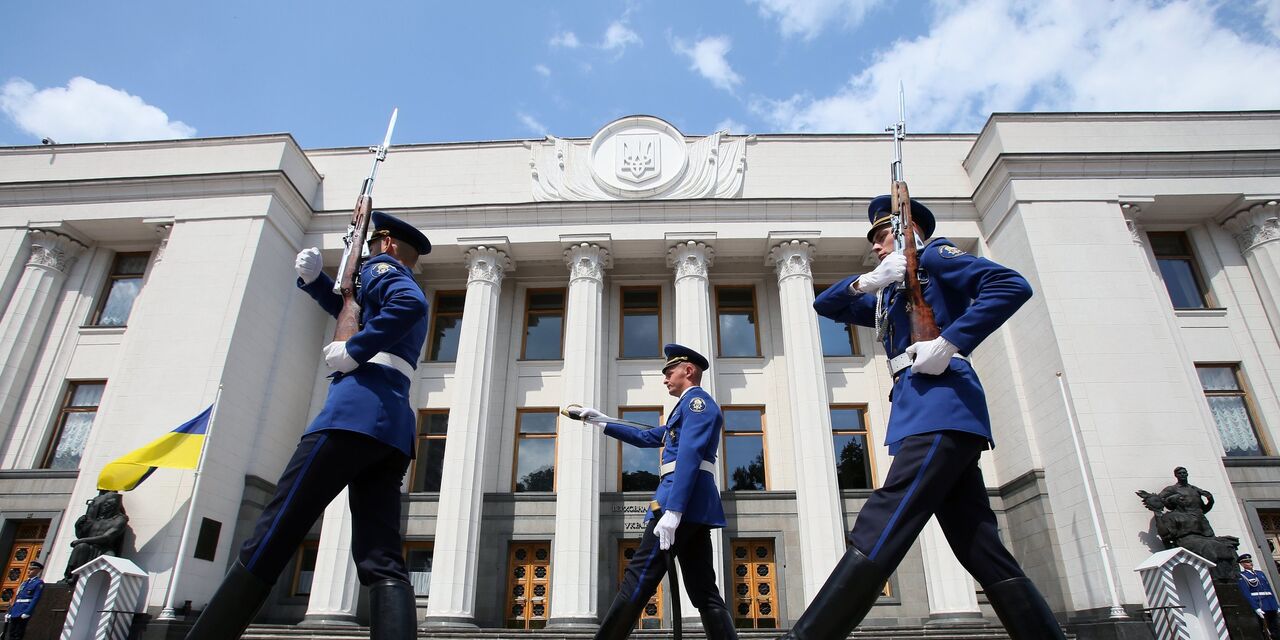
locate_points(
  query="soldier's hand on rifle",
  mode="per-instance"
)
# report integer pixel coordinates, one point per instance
(308, 265)
(337, 358)
(666, 529)
(932, 357)
(892, 269)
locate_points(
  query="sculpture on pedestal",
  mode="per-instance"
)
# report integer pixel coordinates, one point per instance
(100, 531)
(1180, 510)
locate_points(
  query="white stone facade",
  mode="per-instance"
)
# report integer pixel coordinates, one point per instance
(1066, 199)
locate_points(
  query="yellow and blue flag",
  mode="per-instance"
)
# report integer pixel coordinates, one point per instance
(178, 449)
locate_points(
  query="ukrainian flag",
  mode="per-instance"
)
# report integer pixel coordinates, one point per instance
(178, 449)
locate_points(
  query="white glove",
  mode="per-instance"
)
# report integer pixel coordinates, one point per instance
(666, 529)
(1258, 611)
(932, 357)
(307, 264)
(892, 269)
(6, 617)
(25, 616)
(592, 416)
(337, 358)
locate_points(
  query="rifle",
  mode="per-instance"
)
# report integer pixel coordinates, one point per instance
(353, 255)
(923, 325)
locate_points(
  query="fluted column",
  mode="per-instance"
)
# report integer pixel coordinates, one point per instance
(1257, 231)
(453, 577)
(335, 588)
(821, 521)
(952, 594)
(26, 319)
(576, 555)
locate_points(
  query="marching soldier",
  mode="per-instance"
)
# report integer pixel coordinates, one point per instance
(16, 618)
(938, 428)
(362, 440)
(685, 507)
(1262, 599)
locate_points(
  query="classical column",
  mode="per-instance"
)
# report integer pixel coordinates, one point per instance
(453, 577)
(952, 594)
(821, 521)
(26, 318)
(1257, 230)
(335, 587)
(576, 555)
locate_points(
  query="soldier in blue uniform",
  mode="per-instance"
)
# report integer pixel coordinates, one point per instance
(362, 440)
(1257, 590)
(938, 427)
(24, 603)
(685, 507)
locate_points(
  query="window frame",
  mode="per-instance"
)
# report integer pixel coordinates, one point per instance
(421, 438)
(310, 543)
(622, 319)
(725, 434)
(755, 311)
(418, 545)
(436, 313)
(64, 410)
(855, 343)
(662, 420)
(1202, 284)
(555, 449)
(112, 278)
(564, 314)
(872, 476)
(1241, 391)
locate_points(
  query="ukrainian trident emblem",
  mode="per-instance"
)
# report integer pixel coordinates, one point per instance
(638, 157)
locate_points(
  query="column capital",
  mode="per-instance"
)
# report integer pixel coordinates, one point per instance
(587, 260)
(691, 258)
(792, 258)
(54, 250)
(1254, 226)
(486, 264)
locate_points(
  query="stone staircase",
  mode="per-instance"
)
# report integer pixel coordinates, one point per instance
(290, 632)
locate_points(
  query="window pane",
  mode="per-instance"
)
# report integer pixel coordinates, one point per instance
(1169, 244)
(87, 395)
(436, 424)
(536, 464)
(1218, 378)
(738, 334)
(836, 337)
(639, 468)
(1232, 416)
(542, 338)
(546, 300)
(450, 302)
(538, 422)
(640, 299)
(419, 562)
(429, 466)
(744, 461)
(739, 297)
(306, 571)
(115, 312)
(640, 335)
(853, 467)
(71, 440)
(847, 420)
(1180, 280)
(130, 264)
(743, 419)
(444, 340)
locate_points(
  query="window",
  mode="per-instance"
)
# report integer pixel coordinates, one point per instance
(123, 284)
(1178, 269)
(535, 467)
(638, 468)
(1229, 403)
(838, 338)
(417, 556)
(433, 426)
(446, 326)
(543, 324)
(736, 318)
(744, 461)
(305, 568)
(853, 456)
(641, 322)
(79, 407)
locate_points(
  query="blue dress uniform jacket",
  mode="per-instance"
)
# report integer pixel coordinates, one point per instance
(970, 297)
(374, 399)
(1257, 590)
(27, 598)
(691, 435)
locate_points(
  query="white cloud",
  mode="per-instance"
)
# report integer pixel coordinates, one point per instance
(1270, 16)
(618, 37)
(708, 59)
(807, 18)
(531, 123)
(565, 39)
(1062, 55)
(732, 126)
(85, 111)
(542, 70)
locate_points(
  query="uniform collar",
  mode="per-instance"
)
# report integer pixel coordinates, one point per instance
(686, 392)
(383, 258)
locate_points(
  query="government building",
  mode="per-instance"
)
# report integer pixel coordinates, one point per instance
(142, 282)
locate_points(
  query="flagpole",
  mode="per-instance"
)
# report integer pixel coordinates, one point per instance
(167, 613)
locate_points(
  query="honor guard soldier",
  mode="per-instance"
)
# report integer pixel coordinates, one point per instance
(1257, 590)
(685, 507)
(24, 604)
(362, 440)
(938, 427)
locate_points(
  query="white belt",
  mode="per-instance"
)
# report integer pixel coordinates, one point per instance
(394, 361)
(670, 467)
(903, 360)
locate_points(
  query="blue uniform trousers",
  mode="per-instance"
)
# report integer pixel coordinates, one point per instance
(649, 564)
(935, 474)
(324, 463)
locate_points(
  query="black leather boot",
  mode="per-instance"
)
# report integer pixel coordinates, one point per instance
(1023, 611)
(620, 619)
(844, 600)
(233, 606)
(393, 613)
(717, 623)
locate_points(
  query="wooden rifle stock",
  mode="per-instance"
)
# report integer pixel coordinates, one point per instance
(349, 317)
(923, 325)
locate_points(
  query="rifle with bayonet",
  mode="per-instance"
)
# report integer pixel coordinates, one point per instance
(923, 325)
(353, 255)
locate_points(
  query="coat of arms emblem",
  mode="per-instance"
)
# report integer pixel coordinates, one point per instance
(639, 157)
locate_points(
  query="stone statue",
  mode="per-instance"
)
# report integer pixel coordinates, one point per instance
(1180, 522)
(100, 531)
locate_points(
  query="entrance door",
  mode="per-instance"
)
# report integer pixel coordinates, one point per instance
(27, 543)
(528, 585)
(651, 616)
(755, 581)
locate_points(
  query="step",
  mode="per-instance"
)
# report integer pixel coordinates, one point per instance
(308, 632)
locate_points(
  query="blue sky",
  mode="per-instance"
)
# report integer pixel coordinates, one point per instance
(330, 72)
